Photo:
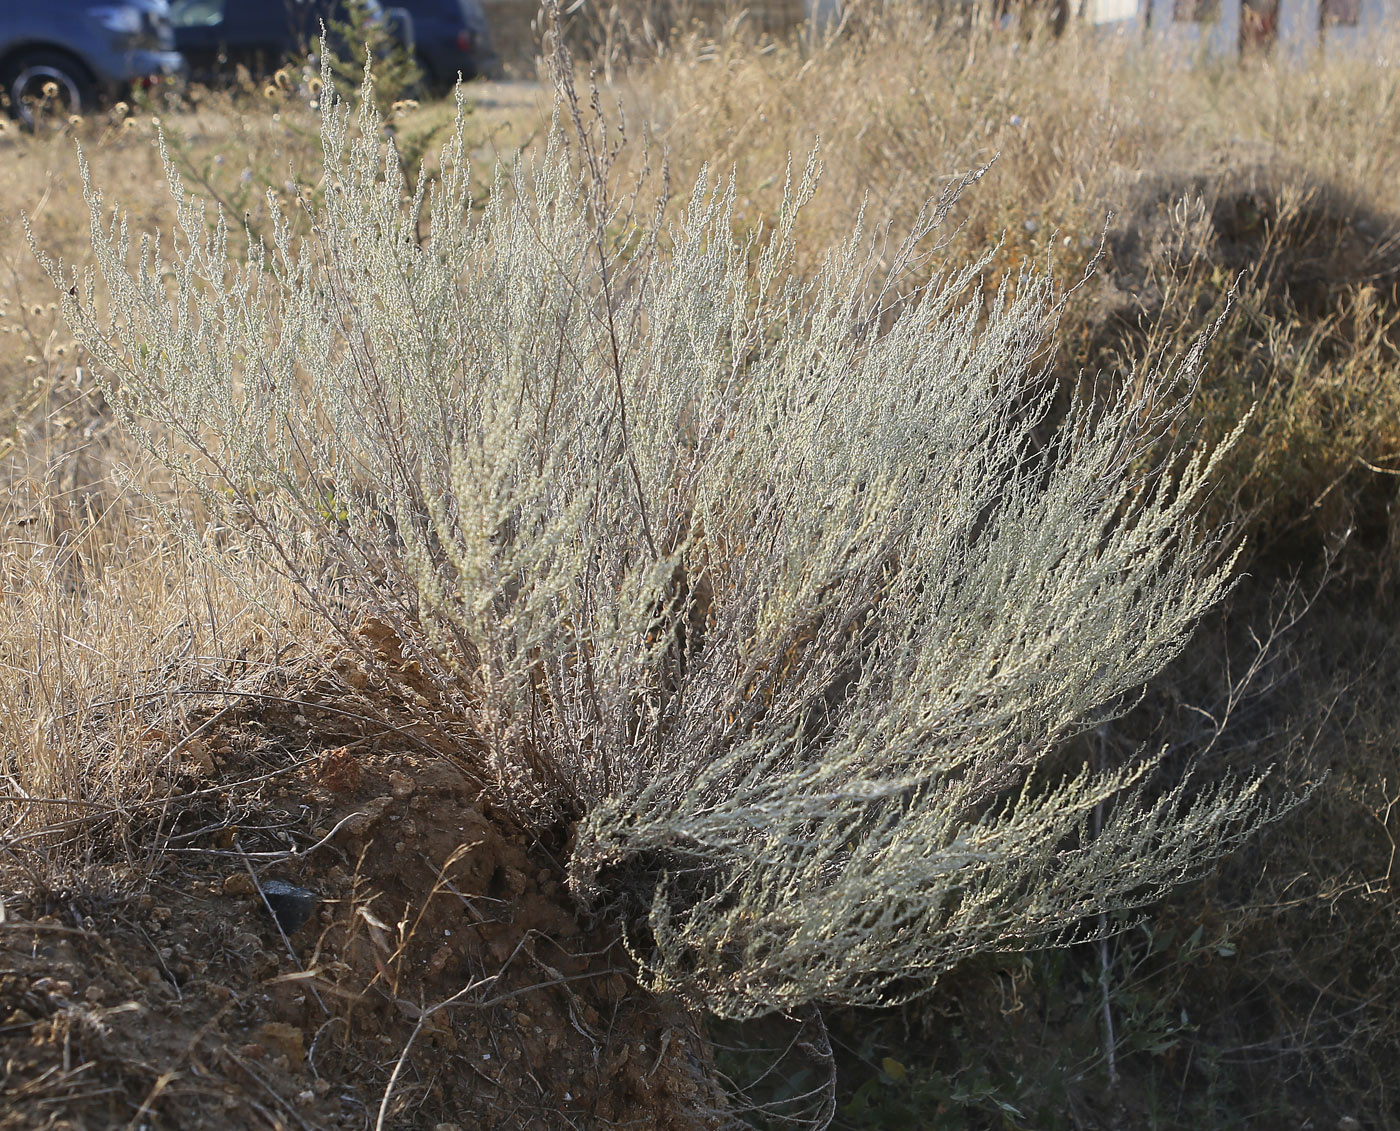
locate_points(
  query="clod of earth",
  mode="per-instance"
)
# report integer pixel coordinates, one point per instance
(291, 906)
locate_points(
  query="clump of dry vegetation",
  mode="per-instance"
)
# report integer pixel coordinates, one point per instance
(1258, 181)
(146, 675)
(1259, 187)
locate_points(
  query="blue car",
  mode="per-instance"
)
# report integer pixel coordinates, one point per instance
(218, 36)
(451, 38)
(71, 55)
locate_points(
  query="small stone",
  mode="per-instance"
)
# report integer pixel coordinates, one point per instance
(401, 785)
(358, 824)
(291, 906)
(239, 883)
(438, 962)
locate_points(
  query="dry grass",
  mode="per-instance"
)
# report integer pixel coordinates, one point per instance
(107, 631)
(1271, 172)
(906, 105)
(1265, 994)
(1265, 181)
(107, 626)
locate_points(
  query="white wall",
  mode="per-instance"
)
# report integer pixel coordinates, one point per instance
(1221, 37)
(1368, 36)
(822, 14)
(1112, 11)
(1301, 32)
(1298, 23)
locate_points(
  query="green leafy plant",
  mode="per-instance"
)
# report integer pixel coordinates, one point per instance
(397, 74)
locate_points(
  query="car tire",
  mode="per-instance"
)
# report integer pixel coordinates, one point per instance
(24, 77)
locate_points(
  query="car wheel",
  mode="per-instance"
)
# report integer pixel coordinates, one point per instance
(39, 83)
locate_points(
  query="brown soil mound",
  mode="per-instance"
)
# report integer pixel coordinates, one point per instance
(440, 979)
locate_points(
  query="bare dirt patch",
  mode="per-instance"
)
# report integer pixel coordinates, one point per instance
(435, 958)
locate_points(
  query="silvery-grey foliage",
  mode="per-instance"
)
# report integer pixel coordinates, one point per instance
(783, 593)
